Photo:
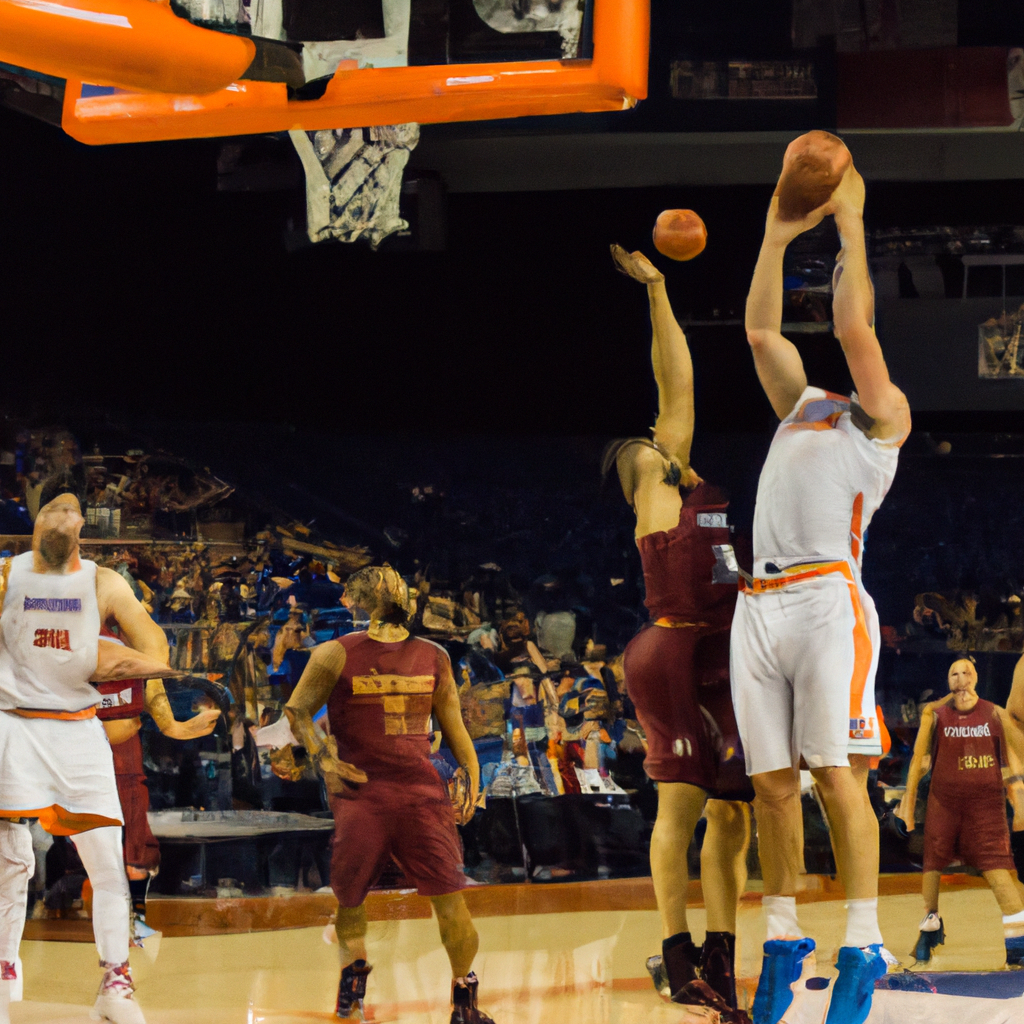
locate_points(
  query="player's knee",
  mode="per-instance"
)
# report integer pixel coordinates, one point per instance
(773, 789)
(726, 814)
(834, 779)
(451, 908)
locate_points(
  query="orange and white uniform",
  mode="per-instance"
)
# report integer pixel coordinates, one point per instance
(55, 761)
(805, 636)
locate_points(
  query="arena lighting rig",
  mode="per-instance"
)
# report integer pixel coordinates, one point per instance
(136, 72)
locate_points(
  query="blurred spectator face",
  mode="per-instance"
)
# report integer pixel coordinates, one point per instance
(526, 689)
(515, 628)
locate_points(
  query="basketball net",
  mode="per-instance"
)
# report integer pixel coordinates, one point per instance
(354, 180)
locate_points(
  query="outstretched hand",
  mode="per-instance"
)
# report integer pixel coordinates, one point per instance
(198, 725)
(636, 265)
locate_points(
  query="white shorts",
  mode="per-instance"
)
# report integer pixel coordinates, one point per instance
(61, 772)
(802, 664)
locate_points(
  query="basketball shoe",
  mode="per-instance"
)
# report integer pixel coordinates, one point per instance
(116, 999)
(464, 1008)
(352, 990)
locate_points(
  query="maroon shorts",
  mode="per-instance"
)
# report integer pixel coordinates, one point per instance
(971, 830)
(678, 680)
(141, 849)
(384, 821)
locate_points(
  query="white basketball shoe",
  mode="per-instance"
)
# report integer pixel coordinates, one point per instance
(116, 999)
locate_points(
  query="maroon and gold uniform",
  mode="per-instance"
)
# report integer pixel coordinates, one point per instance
(379, 714)
(677, 667)
(126, 699)
(966, 815)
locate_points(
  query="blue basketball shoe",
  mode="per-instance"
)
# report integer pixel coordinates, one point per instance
(859, 969)
(781, 967)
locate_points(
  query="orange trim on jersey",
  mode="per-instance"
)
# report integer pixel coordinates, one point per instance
(63, 716)
(861, 663)
(670, 623)
(59, 821)
(828, 423)
(883, 731)
(760, 585)
(855, 524)
(884, 738)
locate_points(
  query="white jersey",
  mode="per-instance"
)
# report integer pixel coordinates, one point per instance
(823, 480)
(49, 638)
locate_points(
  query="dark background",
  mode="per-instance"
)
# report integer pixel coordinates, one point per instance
(130, 287)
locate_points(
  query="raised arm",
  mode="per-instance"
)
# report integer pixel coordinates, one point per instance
(853, 315)
(448, 713)
(920, 765)
(650, 476)
(776, 359)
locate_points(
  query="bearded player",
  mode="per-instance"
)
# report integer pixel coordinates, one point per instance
(805, 634)
(381, 687)
(974, 753)
(55, 761)
(677, 670)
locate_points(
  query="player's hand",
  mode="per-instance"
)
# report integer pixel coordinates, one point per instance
(201, 724)
(339, 776)
(463, 795)
(284, 765)
(690, 478)
(905, 815)
(782, 232)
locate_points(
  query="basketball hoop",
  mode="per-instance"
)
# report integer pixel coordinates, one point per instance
(136, 72)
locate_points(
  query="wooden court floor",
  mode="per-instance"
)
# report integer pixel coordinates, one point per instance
(584, 965)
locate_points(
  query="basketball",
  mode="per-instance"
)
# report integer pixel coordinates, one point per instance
(679, 234)
(812, 168)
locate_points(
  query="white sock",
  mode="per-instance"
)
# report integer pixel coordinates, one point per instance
(1013, 925)
(781, 914)
(931, 922)
(862, 923)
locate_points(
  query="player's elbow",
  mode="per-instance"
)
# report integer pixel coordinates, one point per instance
(759, 337)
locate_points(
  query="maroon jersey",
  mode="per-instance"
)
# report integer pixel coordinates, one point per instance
(968, 754)
(124, 698)
(679, 564)
(379, 711)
